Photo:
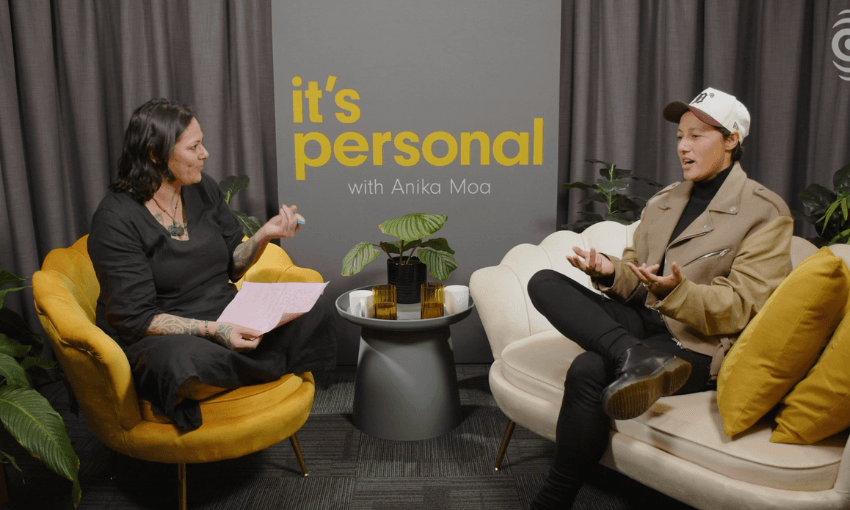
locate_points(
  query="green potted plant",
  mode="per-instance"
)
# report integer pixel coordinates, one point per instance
(25, 413)
(404, 269)
(828, 209)
(230, 186)
(619, 207)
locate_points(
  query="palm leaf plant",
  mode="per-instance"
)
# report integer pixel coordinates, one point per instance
(24, 412)
(411, 231)
(829, 210)
(230, 186)
(607, 190)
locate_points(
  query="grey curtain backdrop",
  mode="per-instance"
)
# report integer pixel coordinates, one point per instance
(72, 72)
(622, 61)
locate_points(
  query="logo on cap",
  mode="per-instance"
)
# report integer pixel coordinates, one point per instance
(700, 98)
(841, 45)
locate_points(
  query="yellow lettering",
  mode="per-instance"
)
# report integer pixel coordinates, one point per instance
(313, 95)
(538, 141)
(352, 109)
(301, 159)
(428, 145)
(297, 102)
(499, 148)
(407, 149)
(340, 149)
(378, 141)
(483, 145)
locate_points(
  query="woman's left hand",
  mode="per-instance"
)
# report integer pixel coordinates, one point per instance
(285, 224)
(658, 285)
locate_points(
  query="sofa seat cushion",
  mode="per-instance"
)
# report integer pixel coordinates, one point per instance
(538, 364)
(236, 403)
(690, 427)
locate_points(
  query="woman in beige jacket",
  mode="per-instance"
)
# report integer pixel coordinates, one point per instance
(706, 256)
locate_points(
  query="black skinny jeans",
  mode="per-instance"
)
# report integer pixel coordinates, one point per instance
(605, 329)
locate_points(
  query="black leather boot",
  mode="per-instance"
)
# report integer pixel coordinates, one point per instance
(558, 492)
(643, 375)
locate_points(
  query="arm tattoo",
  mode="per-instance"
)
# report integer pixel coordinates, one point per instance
(221, 335)
(244, 257)
(166, 324)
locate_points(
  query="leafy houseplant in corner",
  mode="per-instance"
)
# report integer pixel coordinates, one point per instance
(829, 211)
(607, 190)
(230, 186)
(25, 414)
(404, 270)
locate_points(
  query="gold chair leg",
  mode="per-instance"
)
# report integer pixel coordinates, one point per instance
(504, 447)
(181, 486)
(294, 441)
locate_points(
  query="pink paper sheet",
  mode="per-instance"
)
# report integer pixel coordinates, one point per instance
(265, 306)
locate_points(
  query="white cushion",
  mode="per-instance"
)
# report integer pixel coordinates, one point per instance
(538, 364)
(690, 427)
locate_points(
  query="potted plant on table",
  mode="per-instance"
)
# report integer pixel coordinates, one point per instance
(25, 413)
(404, 270)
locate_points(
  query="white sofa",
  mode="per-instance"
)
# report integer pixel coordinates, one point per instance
(678, 447)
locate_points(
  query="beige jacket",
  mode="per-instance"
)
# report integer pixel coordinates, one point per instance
(732, 258)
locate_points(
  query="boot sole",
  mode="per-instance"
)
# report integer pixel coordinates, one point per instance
(634, 398)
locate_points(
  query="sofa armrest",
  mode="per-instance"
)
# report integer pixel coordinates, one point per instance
(500, 292)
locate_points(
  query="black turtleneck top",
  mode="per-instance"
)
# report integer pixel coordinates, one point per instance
(701, 195)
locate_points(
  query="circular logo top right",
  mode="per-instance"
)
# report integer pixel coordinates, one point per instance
(841, 45)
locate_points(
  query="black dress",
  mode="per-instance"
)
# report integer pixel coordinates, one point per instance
(143, 272)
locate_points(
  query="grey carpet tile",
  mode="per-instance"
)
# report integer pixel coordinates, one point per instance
(330, 445)
(277, 493)
(334, 391)
(463, 493)
(468, 450)
(329, 493)
(527, 486)
(276, 461)
(527, 452)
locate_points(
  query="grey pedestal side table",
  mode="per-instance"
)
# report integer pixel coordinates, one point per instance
(406, 385)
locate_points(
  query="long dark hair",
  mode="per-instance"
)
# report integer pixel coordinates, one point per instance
(148, 143)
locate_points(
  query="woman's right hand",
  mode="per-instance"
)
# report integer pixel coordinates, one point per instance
(236, 337)
(591, 263)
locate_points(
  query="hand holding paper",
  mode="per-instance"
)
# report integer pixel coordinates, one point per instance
(265, 306)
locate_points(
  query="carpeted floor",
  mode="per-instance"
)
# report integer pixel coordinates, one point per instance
(348, 469)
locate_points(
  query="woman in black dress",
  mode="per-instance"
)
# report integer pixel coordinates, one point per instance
(166, 248)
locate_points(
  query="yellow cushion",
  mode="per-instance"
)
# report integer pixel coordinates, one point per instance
(783, 340)
(819, 406)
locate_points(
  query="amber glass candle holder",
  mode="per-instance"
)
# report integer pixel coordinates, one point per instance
(432, 300)
(384, 300)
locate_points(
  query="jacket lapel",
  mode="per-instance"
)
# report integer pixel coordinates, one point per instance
(671, 207)
(726, 201)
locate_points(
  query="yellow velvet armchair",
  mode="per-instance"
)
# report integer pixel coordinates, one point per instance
(235, 422)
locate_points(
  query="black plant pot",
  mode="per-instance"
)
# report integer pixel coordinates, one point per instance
(407, 278)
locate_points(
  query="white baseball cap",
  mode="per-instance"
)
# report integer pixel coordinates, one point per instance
(716, 108)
